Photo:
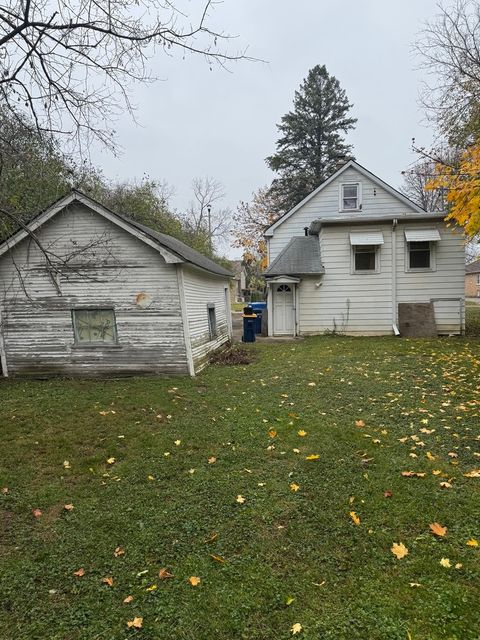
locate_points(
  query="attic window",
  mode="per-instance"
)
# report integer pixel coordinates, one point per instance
(350, 197)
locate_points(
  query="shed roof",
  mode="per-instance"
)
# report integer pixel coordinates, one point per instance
(301, 256)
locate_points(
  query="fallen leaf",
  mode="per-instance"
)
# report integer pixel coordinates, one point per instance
(475, 473)
(289, 601)
(194, 581)
(108, 580)
(296, 628)
(294, 486)
(472, 542)
(459, 565)
(79, 573)
(359, 423)
(387, 494)
(399, 550)
(313, 456)
(4, 490)
(213, 536)
(430, 456)
(436, 472)
(312, 384)
(68, 507)
(110, 460)
(355, 518)
(302, 433)
(413, 474)
(150, 477)
(127, 599)
(163, 574)
(37, 513)
(445, 485)
(136, 623)
(66, 464)
(272, 433)
(152, 587)
(119, 551)
(415, 584)
(178, 443)
(445, 562)
(218, 559)
(212, 460)
(191, 471)
(240, 499)
(438, 530)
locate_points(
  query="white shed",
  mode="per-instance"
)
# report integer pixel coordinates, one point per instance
(87, 292)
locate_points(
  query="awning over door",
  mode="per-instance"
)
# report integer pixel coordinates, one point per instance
(358, 238)
(422, 235)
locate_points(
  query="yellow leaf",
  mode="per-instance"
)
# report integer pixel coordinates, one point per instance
(472, 542)
(289, 601)
(445, 562)
(218, 559)
(152, 587)
(110, 460)
(240, 499)
(108, 580)
(475, 473)
(127, 599)
(312, 384)
(212, 460)
(359, 423)
(294, 487)
(415, 584)
(430, 456)
(445, 485)
(313, 456)
(399, 550)
(355, 518)
(194, 581)
(68, 507)
(119, 552)
(66, 464)
(438, 530)
(178, 443)
(136, 623)
(302, 433)
(272, 433)
(413, 474)
(296, 628)
(79, 573)
(150, 477)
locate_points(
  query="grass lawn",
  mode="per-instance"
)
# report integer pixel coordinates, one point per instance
(132, 457)
(472, 318)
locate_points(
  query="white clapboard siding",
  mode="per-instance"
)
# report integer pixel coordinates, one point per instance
(37, 322)
(325, 204)
(202, 289)
(361, 304)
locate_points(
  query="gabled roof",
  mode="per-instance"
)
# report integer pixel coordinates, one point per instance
(301, 256)
(473, 267)
(348, 165)
(171, 249)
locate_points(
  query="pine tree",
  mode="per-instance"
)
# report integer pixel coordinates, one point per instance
(311, 146)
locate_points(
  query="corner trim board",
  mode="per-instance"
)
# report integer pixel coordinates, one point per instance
(186, 328)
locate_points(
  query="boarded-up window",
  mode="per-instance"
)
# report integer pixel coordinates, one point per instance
(94, 326)
(212, 321)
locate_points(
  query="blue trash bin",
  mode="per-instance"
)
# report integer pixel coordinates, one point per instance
(249, 322)
(258, 308)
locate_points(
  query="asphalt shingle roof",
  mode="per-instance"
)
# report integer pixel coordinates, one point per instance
(301, 256)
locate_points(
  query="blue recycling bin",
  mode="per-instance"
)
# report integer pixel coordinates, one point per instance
(258, 308)
(249, 324)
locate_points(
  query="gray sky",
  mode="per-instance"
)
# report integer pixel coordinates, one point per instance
(197, 122)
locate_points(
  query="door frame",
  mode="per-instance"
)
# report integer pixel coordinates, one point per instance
(271, 284)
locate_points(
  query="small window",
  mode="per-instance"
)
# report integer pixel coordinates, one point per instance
(350, 197)
(478, 279)
(94, 326)
(212, 321)
(365, 257)
(419, 255)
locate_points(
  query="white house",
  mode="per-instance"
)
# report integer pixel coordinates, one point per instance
(358, 257)
(85, 291)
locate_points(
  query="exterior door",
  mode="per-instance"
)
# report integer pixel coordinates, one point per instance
(283, 315)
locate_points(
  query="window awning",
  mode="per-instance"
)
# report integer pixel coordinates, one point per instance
(358, 238)
(422, 235)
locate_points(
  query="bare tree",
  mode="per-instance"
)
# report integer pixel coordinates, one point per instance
(449, 49)
(205, 214)
(414, 187)
(68, 64)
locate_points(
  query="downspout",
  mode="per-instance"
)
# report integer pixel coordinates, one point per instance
(3, 355)
(394, 278)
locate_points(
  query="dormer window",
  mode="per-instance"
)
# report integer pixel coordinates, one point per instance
(350, 197)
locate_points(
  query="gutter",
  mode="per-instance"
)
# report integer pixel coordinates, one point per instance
(3, 355)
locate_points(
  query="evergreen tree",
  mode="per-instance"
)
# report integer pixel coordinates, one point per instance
(311, 146)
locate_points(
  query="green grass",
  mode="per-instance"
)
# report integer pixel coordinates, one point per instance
(238, 306)
(472, 318)
(345, 581)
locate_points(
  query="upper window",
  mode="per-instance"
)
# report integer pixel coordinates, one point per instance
(350, 197)
(94, 326)
(419, 255)
(364, 258)
(212, 321)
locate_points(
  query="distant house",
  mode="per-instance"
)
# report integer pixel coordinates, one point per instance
(472, 279)
(358, 257)
(106, 296)
(239, 280)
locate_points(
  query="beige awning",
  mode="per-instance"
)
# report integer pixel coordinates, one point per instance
(422, 235)
(358, 238)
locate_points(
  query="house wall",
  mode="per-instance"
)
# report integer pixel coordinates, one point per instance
(37, 323)
(375, 201)
(472, 285)
(361, 304)
(202, 289)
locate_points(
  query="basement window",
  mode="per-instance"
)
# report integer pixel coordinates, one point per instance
(212, 321)
(94, 326)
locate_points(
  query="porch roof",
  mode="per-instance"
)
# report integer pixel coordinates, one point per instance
(301, 256)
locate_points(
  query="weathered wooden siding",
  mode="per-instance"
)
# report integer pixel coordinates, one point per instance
(202, 289)
(361, 304)
(375, 201)
(37, 323)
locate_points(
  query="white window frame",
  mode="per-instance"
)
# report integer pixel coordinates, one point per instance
(359, 196)
(354, 271)
(433, 263)
(212, 326)
(98, 343)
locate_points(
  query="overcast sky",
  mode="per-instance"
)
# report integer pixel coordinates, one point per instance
(197, 122)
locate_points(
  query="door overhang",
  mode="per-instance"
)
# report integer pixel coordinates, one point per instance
(282, 280)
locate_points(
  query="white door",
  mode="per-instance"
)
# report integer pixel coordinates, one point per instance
(283, 316)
